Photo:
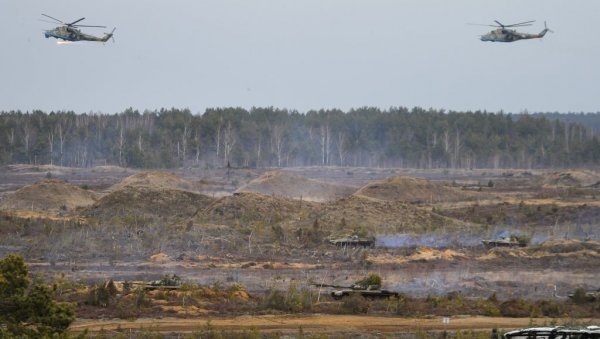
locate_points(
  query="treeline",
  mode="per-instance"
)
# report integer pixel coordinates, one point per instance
(271, 137)
(590, 120)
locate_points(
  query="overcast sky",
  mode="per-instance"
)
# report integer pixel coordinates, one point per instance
(301, 54)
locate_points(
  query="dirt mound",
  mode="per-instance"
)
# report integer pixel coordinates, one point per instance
(421, 254)
(26, 168)
(410, 189)
(255, 206)
(382, 217)
(156, 180)
(110, 169)
(49, 195)
(568, 246)
(147, 202)
(575, 178)
(287, 184)
(159, 258)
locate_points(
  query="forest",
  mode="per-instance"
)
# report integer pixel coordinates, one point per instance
(272, 137)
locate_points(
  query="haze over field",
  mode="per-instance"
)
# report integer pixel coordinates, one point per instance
(300, 55)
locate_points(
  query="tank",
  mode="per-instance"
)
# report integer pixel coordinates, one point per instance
(588, 295)
(371, 291)
(353, 241)
(510, 241)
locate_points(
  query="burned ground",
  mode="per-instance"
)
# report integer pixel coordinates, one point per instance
(428, 235)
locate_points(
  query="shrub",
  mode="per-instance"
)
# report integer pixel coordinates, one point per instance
(371, 279)
(515, 308)
(355, 304)
(580, 296)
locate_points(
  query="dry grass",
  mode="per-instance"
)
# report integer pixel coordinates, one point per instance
(290, 185)
(410, 189)
(49, 195)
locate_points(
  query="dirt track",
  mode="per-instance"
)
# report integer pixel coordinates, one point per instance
(315, 324)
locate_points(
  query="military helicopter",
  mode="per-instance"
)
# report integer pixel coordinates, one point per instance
(504, 34)
(69, 32)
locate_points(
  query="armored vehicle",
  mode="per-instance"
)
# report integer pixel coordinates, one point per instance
(166, 283)
(555, 332)
(353, 241)
(588, 295)
(510, 241)
(370, 291)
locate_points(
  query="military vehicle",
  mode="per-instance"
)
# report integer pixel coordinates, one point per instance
(507, 241)
(69, 32)
(166, 283)
(504, 34)
(588, 295)
(370, 291)
(353, 241)
(591, 332)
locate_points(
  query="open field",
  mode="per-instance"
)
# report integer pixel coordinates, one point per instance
(267, 230)
(338, 325)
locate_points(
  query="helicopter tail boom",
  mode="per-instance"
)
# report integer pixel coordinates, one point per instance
(107, 36)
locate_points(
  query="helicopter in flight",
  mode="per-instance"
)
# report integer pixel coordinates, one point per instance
(503, 33)
(70, 32)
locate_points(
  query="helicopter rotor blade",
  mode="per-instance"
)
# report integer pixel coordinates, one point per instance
(525, 23)
(48, 21)
(52, 18)
(486, 25)
(498, 22)
(74, 22)
(87, 26)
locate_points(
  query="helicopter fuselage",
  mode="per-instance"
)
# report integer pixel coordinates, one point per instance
(510, 35)
(72, 34)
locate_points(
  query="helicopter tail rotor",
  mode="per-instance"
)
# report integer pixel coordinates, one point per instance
(108, 36)
(546, 30)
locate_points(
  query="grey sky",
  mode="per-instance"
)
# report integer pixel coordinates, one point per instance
(301, 54)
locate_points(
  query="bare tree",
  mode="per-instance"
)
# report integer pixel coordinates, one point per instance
(229, 140)
(278, 142)
(26, 138)
(197, 146)
(341, 147)
(184, 137)
(51, 145)
(218, 136)
(567, 136)
(457, 148)
(61, 140)
(121, 145)
(325, 131)
(258, 149)
(11, 141)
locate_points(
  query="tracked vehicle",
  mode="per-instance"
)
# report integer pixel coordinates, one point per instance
(353, 241)
(370, 291)
(510, 241)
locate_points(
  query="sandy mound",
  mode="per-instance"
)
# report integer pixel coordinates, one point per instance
(254, 206)
(26, 168)
(155, 180)
(422, 254)
(568, 246)
(110, 169)
(572, 178)
(287, 184)
(409, 189)
(383, 216)
(160, 258)
(49, 195)
(148, 202)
